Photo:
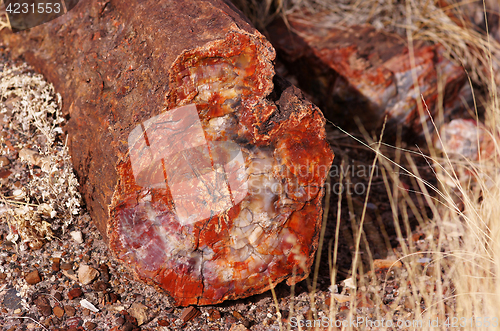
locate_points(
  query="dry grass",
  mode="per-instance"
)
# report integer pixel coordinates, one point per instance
(451, 274)
(49, 198)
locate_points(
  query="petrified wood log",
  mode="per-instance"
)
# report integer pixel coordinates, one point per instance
(202, 170)
(360, 72)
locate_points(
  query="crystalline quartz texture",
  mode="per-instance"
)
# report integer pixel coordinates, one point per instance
(171, 149)
(221, 195)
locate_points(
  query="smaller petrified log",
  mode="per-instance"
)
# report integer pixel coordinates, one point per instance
(361, 72)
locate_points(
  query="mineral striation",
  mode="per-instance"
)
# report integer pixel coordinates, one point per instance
(202, 169)
(359, 72)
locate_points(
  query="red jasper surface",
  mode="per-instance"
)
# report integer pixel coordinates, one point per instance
(220, 197)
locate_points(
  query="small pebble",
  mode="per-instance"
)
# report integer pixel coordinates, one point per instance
(104, 272)
(86, 274)
(163, 322)
(113, 297)
(70, 311)
(77, 236)
(56, 264)
(89, 326)
(213, 315)
(128, 326)
(100, 286)
(119, 321)
(66, 266)
(4, 161)
(33, 277)
(43, 305)
(139, 312)
(190, 313)
(58, 311)
(58, 296)
(75, 293)
(12, 299)
(88, 305)
(73, 322)
(238, 327)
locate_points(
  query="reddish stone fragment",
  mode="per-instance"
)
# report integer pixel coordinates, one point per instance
(358, 72)
(202, 169)
(189, 313)
(33, 277)
(58, 311)
(75, 293)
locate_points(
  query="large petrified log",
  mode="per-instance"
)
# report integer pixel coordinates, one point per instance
(359, 72)
(202, 170)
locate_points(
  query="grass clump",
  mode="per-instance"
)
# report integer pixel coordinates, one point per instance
(41, 196)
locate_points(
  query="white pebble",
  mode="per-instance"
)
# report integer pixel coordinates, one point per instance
(86, 304)
(77, 236)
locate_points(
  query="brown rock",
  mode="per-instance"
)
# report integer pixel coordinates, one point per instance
(104, 272)
(128, 326)
(86, 274)
(120, 321)
(163, 322)
(85, 312)
(43, 305)
(238, 327)
(33, 277)
(139, 312)
(5, 173)
(113, 297)
(89, 326)
(58, 311)
(75, 293)
(129, 318)
(58, 296)
(213, 315)
(56, 264)
(66, 266)
(249, 136)
(237, 315)
(70, 310)
(100, 286)
(4, 161)
(189, 313)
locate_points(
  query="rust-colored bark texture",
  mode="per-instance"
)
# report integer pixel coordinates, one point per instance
(202, 169)
(359, 72)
